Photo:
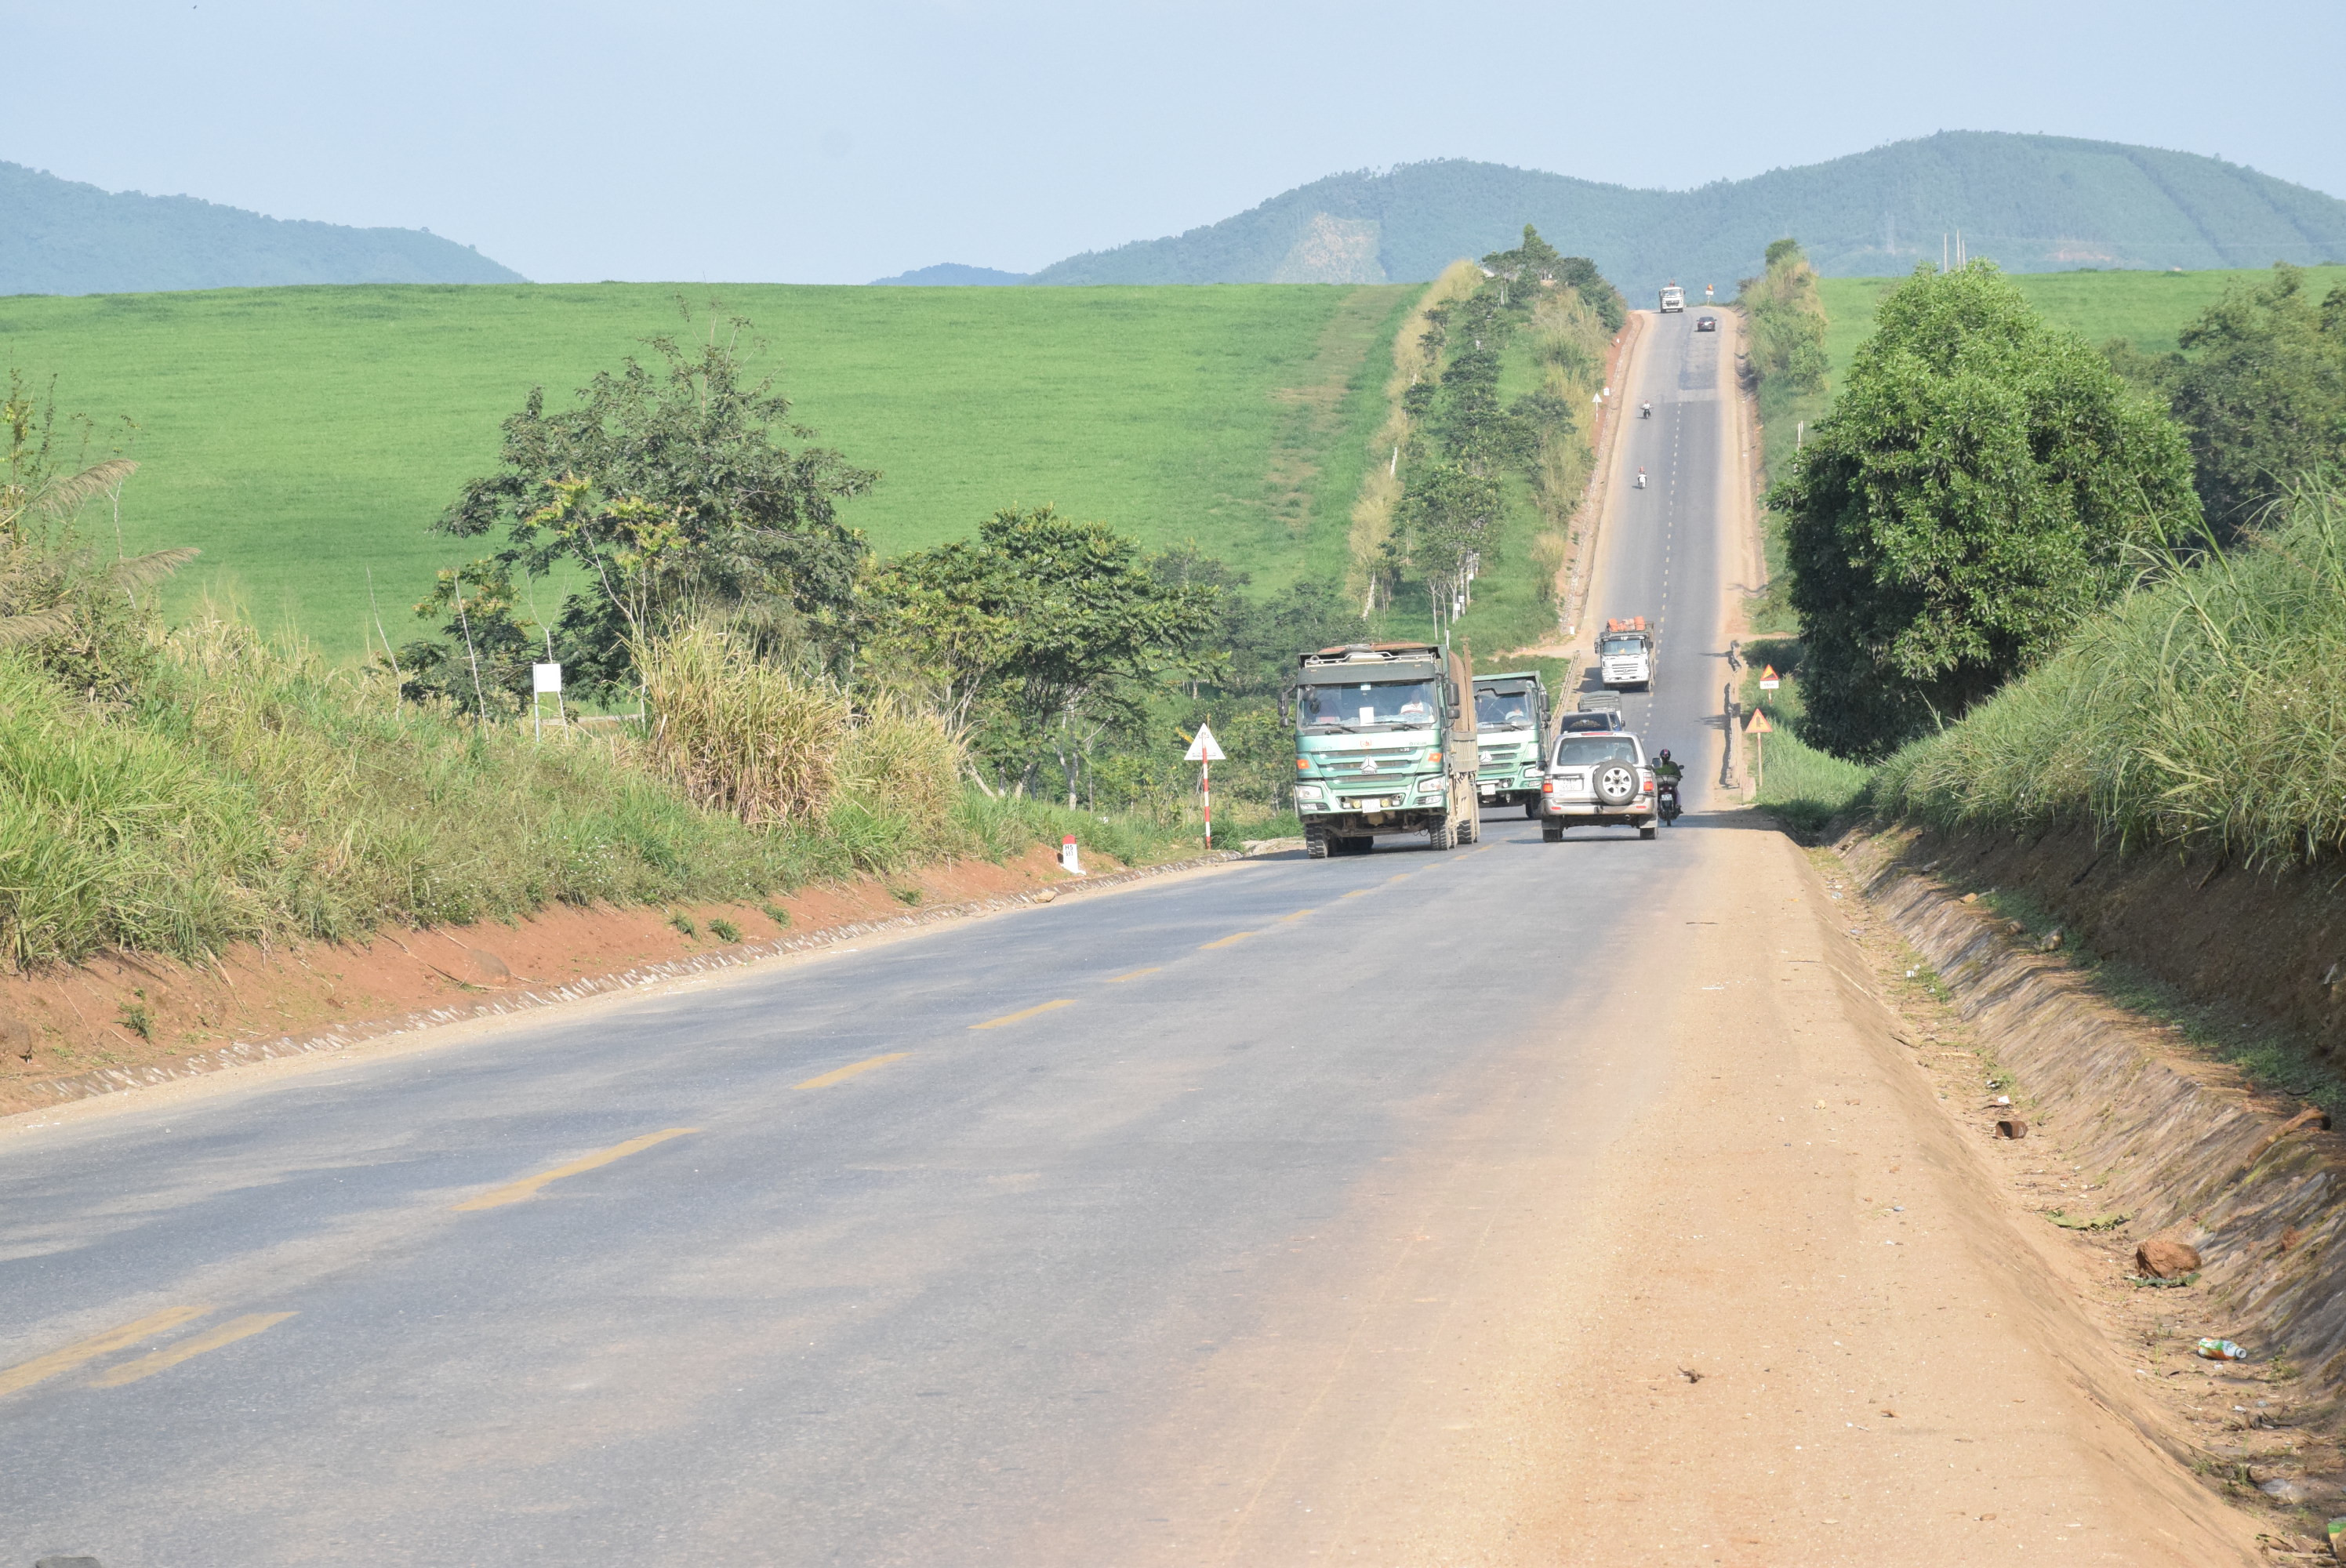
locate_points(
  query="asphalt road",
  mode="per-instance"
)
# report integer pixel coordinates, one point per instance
(1660, 546)
(892, 1316)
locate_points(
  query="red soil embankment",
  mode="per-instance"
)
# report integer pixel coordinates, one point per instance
(129, 1019)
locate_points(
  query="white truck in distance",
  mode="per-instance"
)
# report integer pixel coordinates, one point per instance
(1673, 299)
(1625, 654)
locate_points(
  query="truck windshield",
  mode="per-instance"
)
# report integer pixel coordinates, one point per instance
(1613, 648)
(1503, 710)
(1588, 750)
(1413, 703)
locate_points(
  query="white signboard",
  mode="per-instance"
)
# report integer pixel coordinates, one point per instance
(545, 678)
(1204, 749)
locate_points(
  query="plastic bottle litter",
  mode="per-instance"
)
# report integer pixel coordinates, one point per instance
(2221, 1350)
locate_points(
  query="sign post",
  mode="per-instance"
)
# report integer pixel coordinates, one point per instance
(1759, 729)
(545, 679)
(1205, 751)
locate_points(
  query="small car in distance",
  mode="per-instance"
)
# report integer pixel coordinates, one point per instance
(1705, 323)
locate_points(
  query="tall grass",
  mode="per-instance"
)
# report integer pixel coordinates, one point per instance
(737, 734)
(254, 793)
(1805, 787)
(2207, 710)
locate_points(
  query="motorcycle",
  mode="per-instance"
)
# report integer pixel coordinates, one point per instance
(1644, 411)
(1641, 479)
(1666, 799)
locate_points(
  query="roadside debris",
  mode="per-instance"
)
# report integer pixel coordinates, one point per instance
(2012, 1127)
(2164, 1259)
(2221, 1350)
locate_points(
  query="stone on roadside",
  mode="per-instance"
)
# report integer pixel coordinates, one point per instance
(2012, 1127)
(2161, 1259)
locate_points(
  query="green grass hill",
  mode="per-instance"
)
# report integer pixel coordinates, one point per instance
(2034, 203)
(303, 437)
(61, 236)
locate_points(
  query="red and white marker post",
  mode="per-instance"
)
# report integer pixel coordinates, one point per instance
(1206, 752)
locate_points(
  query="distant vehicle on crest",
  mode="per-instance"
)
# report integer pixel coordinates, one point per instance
(1673, 299)
(1705, 323)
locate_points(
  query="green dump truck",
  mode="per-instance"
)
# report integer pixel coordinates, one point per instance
(1511, 720)
(1384, 744)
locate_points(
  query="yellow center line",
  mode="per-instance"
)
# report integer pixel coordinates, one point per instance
(1023, 1012)
(114, 1339)
(170, 1356)
(1401, 876)
(527, 1186)
(1298, 915)
(1226, 942)
(1360, 892)
(1135, 974)
(842, 1074)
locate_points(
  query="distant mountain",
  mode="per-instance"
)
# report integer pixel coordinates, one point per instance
(59, 236)
(2033, 203)
(952, 274)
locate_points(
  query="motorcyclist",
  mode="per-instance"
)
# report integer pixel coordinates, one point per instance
(1641, 479)
(1644, 411)
(1666, 773)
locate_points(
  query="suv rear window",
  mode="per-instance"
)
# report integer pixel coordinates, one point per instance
(1588, 750)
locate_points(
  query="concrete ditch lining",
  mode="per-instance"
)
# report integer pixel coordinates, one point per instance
(2182, 1143)
(116, 1080)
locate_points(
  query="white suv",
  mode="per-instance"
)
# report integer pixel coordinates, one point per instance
(1596, 782)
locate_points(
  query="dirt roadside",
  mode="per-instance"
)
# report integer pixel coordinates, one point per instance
(127, 1021)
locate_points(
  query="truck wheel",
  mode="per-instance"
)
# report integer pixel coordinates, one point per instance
(1551, 835)
(1647, 831)
(1442, 835)
(1315, 842)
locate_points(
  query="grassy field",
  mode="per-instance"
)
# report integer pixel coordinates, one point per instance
(303, 437)
(2146, 308)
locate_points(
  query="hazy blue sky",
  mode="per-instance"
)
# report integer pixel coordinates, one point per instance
(838, 143)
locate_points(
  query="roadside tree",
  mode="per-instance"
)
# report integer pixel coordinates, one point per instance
(1037, 637)
(1979, 486)
(674, 489)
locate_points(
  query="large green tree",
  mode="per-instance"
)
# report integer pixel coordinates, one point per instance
(1977, 488)
(1035, 638)
(676, 490)
(2260, 385)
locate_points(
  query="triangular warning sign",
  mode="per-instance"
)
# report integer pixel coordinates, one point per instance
(1758, 723)
(1204, 749)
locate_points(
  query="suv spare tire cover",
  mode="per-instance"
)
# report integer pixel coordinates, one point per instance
(1616, 783)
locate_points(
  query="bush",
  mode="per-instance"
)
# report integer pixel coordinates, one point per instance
(740, 735)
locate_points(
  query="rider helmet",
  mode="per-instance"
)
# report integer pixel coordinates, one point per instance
(1666, 754)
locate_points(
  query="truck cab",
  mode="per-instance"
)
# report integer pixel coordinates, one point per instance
(1597, 780)
(1511, 720)
(1385, 745)
(1625, 654)
(1673, 299)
